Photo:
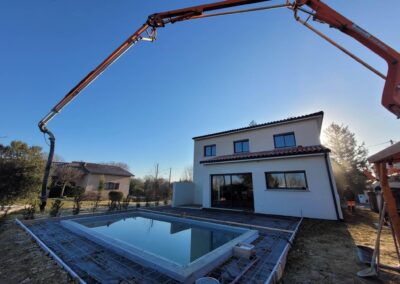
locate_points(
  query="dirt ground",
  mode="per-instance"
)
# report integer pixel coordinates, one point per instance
(22, 260)
(325, 251)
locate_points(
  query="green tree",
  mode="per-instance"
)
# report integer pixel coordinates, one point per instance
(21, 171)
(348, 157)
(136, 187)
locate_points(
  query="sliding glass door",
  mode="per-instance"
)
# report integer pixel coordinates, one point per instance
(233, 191)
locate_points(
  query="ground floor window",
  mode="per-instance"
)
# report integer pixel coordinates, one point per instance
(111, 185)
(232, 191)
(286, 180)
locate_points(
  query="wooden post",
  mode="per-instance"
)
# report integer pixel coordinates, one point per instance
(390, 200)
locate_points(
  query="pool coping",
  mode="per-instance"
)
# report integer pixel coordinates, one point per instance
(184, 273)
(279, 268)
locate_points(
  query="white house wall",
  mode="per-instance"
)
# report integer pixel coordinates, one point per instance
(316, 202)
(307, 132)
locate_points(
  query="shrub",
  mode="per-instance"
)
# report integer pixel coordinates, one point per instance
(55, 191)
(96, 198)
(56, 208)
(69, 190)
(165, 202)
(125, 203)
(29, 211)
(115, 200)
(115, 196)
(79, 193)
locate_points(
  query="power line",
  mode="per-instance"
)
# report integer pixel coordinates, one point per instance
(386, 142)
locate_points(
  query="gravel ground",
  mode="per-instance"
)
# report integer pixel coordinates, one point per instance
(325, 251)
(23, 261)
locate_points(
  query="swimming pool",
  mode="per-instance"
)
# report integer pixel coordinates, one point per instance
(181, 248)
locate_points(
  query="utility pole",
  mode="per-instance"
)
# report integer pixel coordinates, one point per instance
(156, 181)
(169, 182)
(169, 179)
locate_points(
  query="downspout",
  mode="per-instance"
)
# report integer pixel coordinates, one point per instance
(331, 186)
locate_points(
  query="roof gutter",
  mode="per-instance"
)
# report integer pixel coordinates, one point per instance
(262, 159)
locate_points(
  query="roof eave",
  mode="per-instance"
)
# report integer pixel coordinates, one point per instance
(287, 156)
(260, 126)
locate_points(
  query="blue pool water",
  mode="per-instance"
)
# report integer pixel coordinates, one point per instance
(179, 242)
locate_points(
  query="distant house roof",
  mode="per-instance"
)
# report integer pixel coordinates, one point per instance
(284, 152)
(261, 125)
(98, 169)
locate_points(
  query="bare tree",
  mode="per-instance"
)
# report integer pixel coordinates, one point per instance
(187, 174)
(66, 175)
(253, 123)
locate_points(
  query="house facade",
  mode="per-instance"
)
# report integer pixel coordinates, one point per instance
(276, 168)
(115, 177)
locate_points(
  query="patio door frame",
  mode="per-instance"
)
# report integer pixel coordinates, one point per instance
(250, 208)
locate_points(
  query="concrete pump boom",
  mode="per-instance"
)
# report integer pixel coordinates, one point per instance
(319, 12)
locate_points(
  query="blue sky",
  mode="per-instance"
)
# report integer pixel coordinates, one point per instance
(198, 77)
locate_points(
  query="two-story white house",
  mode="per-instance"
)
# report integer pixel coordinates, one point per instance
(278, 168)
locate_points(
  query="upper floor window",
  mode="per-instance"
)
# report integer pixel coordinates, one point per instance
(286, 180)
(111, 185)
(284, 140)
(241, 146)
(210, 150)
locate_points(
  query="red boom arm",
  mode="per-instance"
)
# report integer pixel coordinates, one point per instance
(391, 91)
(321, 12)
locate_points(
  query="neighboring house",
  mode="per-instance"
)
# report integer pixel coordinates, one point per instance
(116, 178)
(277, 168)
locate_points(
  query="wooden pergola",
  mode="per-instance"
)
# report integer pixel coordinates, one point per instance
(381, 160)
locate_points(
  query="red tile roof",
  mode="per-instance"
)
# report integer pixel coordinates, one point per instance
(290, 119)
(283, 152)
(97, 169)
